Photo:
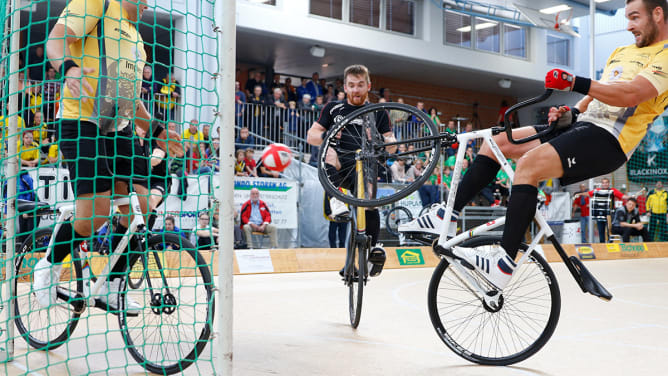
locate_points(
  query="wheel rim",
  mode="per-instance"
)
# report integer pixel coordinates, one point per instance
(520, 326)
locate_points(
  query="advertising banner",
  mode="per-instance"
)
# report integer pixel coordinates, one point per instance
(279, 194)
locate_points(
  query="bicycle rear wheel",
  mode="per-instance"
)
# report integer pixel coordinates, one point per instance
(396, 216)
(356, 137)
(172, 329)
(527, 315)
(46, 328)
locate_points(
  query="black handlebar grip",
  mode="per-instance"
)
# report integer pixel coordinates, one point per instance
(515, 108)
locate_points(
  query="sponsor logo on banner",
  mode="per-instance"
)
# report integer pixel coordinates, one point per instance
(585, 251)
(410, 256)
(612, 247)
(631, 250)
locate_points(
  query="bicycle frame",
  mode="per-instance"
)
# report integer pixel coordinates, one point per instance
(583, 277)
(443, 241)
(137, 223)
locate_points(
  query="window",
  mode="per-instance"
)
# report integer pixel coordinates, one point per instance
(400, 16)
(558, 50)
(457, 29)
(365, 12)
(487, 34)
(267, 2)
(327, 8)
(514, 40)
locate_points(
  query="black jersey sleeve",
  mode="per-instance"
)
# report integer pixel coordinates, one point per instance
(326, 119)
(383, 123)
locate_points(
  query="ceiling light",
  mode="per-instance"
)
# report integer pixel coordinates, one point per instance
(325, 65)
(505, 83)
(317, 51)
(555, 9)
(480, 26)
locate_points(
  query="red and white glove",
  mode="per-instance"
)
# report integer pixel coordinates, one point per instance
(559, 79)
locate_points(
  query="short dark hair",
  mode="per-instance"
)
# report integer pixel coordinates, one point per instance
(170, 219)
(650, 5)
(356, 70)
(633, 199)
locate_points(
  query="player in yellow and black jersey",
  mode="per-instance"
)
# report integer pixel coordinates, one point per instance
(595, 136)
(97, 48)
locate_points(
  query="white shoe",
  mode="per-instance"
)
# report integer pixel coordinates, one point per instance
(109, 295)
(46, 277)
(430, 222)
(338, 207)
(495, 264)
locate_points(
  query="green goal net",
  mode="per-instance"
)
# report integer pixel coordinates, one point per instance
(73, 150)
(647, 174)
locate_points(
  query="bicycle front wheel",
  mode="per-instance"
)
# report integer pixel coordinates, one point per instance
(527, 315)
(46, 328)
(138, 273)
(174, 325)
(359, 137)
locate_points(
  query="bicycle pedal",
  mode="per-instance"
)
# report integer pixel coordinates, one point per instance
(342, 218)
(105, 307)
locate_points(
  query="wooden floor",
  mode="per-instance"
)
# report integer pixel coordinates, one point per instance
(297, 324)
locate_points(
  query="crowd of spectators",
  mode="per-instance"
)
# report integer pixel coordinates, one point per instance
(642, 214)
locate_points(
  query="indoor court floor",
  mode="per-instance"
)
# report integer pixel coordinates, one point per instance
(297, 324)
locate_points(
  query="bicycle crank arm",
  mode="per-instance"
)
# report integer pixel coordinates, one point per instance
(582, 275)
(76, 300)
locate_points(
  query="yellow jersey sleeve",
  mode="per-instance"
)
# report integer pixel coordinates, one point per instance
(81, 16)
(656, 71)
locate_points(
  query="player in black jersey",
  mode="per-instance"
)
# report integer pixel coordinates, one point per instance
(356, 86)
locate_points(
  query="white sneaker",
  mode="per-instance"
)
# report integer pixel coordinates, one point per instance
(109, 295)
(495, 264)
(338, 207)
(46, 277)
(430, 222)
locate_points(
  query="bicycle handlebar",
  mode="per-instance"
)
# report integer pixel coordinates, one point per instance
(515, 108)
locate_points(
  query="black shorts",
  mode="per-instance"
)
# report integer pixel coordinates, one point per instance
(92, 159)
(130, 164)
(586, 151)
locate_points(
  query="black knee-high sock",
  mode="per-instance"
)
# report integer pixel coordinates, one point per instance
(483, 170)
(127, 257)
(372, 225)
(521, 209)
(66, 240)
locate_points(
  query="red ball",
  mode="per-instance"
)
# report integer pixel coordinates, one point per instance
(276, 157)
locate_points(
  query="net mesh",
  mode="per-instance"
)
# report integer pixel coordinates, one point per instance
(645, 169)
(154, 310)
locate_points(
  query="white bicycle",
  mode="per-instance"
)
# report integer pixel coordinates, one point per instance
(474, 319)
(173, 286)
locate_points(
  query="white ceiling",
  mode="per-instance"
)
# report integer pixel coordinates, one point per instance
(291, 56)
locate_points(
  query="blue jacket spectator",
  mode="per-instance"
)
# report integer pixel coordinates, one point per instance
(170, 227)
(245, 140)
(301, 90)
(313, 87)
